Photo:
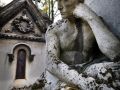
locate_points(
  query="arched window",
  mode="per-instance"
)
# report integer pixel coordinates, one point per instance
(21, 64)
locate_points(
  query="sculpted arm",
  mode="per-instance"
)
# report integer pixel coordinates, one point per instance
(107, 42)
(60, 69)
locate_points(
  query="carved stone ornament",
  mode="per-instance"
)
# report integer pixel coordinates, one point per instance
(10, 57)
(23, 24)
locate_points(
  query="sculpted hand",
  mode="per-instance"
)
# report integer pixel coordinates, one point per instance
(83, 11)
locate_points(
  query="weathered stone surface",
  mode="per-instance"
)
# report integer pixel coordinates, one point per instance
(109, 10)
(34, 69)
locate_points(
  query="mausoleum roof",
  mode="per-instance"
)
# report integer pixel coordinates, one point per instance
(12, 9)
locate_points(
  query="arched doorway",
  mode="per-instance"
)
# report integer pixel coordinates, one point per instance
(21, 64)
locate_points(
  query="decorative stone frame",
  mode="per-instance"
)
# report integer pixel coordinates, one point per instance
(21, 46)
(18, 83)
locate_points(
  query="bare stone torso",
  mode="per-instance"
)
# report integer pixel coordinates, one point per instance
(67, 34)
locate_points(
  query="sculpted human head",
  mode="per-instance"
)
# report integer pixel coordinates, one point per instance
(66, 7)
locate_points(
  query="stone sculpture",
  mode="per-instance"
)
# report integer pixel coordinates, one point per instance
(72, 53)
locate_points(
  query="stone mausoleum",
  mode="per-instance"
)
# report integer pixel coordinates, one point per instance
(22, 45)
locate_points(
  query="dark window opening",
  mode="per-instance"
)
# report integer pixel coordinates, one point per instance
(21, 64)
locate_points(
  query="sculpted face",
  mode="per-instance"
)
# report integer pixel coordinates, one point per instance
(66, 7)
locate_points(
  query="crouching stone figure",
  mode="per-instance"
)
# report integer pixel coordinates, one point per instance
(82, 52)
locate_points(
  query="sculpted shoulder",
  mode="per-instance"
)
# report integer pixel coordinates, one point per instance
(58, 26)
